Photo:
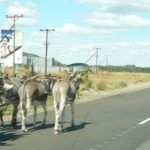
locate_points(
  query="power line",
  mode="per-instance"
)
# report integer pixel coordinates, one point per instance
(97, 50)
(46, 46)
(14, 17)
(87, 61)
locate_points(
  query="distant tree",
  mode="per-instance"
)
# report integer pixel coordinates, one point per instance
(126, 68)
(26, 66)
(56, 63)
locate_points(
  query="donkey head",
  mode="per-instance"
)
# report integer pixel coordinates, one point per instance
(76, 80)
(49, 82)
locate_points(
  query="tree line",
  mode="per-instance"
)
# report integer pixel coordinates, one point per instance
(126, 68)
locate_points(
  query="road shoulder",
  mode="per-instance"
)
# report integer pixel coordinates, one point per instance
(89, 95)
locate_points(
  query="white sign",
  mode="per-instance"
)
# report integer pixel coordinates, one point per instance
(7, 51)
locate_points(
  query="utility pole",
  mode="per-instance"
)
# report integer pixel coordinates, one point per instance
(14, 17)
(97, 49)
(106, 60)
(46, 46)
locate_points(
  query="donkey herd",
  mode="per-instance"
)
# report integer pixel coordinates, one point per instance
(23, 94)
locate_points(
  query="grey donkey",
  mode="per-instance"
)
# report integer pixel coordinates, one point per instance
(64, 92)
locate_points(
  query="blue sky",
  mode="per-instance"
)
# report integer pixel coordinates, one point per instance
(121, 28)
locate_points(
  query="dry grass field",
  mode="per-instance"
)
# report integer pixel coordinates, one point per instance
(113, 80)
(103, 80)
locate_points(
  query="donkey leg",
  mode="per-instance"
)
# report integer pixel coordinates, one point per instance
(14, 115)
(24, 110)
(56, 127)
(2, 110)
(35, 114)
(72, 113)
(1, 118)
(45, 113)
(61, 111)
(23, 126)
(62, 118)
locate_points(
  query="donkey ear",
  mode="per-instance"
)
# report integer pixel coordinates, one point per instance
(81, 74)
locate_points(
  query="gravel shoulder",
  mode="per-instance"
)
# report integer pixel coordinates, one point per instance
(91, 94)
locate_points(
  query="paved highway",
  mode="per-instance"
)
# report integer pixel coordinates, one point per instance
(120, 122)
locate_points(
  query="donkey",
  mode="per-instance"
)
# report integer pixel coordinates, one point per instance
(32, 92)
(9, 95)
(64, 92)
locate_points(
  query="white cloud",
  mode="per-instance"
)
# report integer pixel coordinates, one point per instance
(125, 5)
(3, 1)
(116, 20)
(145, 44)
(123, 44)
(72, 28)
(135, 53)
(33, 45)
(65, 2)
(28, 10)
(118, 13)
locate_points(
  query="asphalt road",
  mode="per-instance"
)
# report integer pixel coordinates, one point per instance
(119, 122)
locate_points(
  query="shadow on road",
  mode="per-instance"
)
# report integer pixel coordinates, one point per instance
(30, 127)
(7, 135)
(77, 127)
(40, 126)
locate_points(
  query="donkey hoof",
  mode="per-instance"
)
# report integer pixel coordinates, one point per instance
(43, 125)
(56, 132)
(14, 123)
(2, 125)
(14, 126)
(60, 129)
(25, 130)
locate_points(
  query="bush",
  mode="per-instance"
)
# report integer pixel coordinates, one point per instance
(102, 85)
(117, 85)
(87, 84)
(122, 84)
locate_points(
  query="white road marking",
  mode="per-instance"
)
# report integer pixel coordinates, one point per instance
(145, 121)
